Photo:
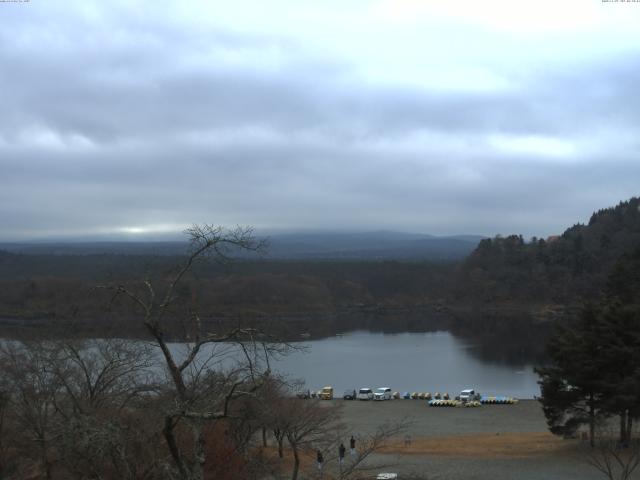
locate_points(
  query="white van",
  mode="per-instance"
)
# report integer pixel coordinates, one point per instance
(383, 393)
(365, 394)
(468, 394)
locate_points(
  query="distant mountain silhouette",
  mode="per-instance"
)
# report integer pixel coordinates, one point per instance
(97, 248)
(382, 245)
(371, 245)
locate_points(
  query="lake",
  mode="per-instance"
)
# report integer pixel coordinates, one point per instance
(436, 361)
(427, 362)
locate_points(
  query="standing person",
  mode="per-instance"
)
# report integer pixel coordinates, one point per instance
(320, 459)
(341, 451)
(352, 445)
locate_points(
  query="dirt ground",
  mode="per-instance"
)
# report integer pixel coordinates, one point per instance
(424, 421)
(483, 445)
(492, 442)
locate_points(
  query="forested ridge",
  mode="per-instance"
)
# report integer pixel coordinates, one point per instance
(503, 274)
(561, 270)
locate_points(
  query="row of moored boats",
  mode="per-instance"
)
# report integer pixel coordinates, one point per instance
(467, 397)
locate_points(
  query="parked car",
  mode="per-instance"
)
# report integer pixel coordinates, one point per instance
(383, 393)
(349, 395)
(326, 393)
(365, 394)
(469, 395)
(304, 394)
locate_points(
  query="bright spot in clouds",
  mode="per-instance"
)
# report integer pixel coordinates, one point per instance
(134, 230)
(534, 147)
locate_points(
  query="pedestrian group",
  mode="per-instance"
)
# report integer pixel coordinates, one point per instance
(341, 453)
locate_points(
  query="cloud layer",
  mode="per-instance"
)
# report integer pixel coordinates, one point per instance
(306, 115)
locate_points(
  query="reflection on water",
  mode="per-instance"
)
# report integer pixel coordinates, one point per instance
(513, 338)
(428, 362)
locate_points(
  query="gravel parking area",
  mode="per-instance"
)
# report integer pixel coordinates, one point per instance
(425, 421)
(557, 460)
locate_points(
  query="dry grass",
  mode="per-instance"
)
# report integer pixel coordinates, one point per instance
(485, 445)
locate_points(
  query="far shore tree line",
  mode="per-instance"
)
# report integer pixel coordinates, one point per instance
(503, 272)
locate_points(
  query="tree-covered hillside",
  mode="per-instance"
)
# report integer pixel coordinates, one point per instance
(559, 269)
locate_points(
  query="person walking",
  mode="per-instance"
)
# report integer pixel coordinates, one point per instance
(341, 451)
(320, 460)
(352, 446)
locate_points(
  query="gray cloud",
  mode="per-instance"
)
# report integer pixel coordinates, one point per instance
(116, 122)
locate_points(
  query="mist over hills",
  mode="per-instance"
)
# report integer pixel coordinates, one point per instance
(378, 245)
(383, 245)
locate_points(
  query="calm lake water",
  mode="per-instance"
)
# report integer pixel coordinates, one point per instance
(427, 362)
(409, 361)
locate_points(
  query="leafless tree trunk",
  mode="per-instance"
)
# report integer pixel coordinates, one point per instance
(279, 436)
(592, 420)
(199, 394)
(296, 461)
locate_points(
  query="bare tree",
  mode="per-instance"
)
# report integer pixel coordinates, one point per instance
(100, 373)
(32, 390)
(307, 425)
(614, 461)
(272, 403)
(104, 428)
(93, 409)
(202, 386)
(75, 401)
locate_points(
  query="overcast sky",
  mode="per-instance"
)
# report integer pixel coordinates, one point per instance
(439, 117)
